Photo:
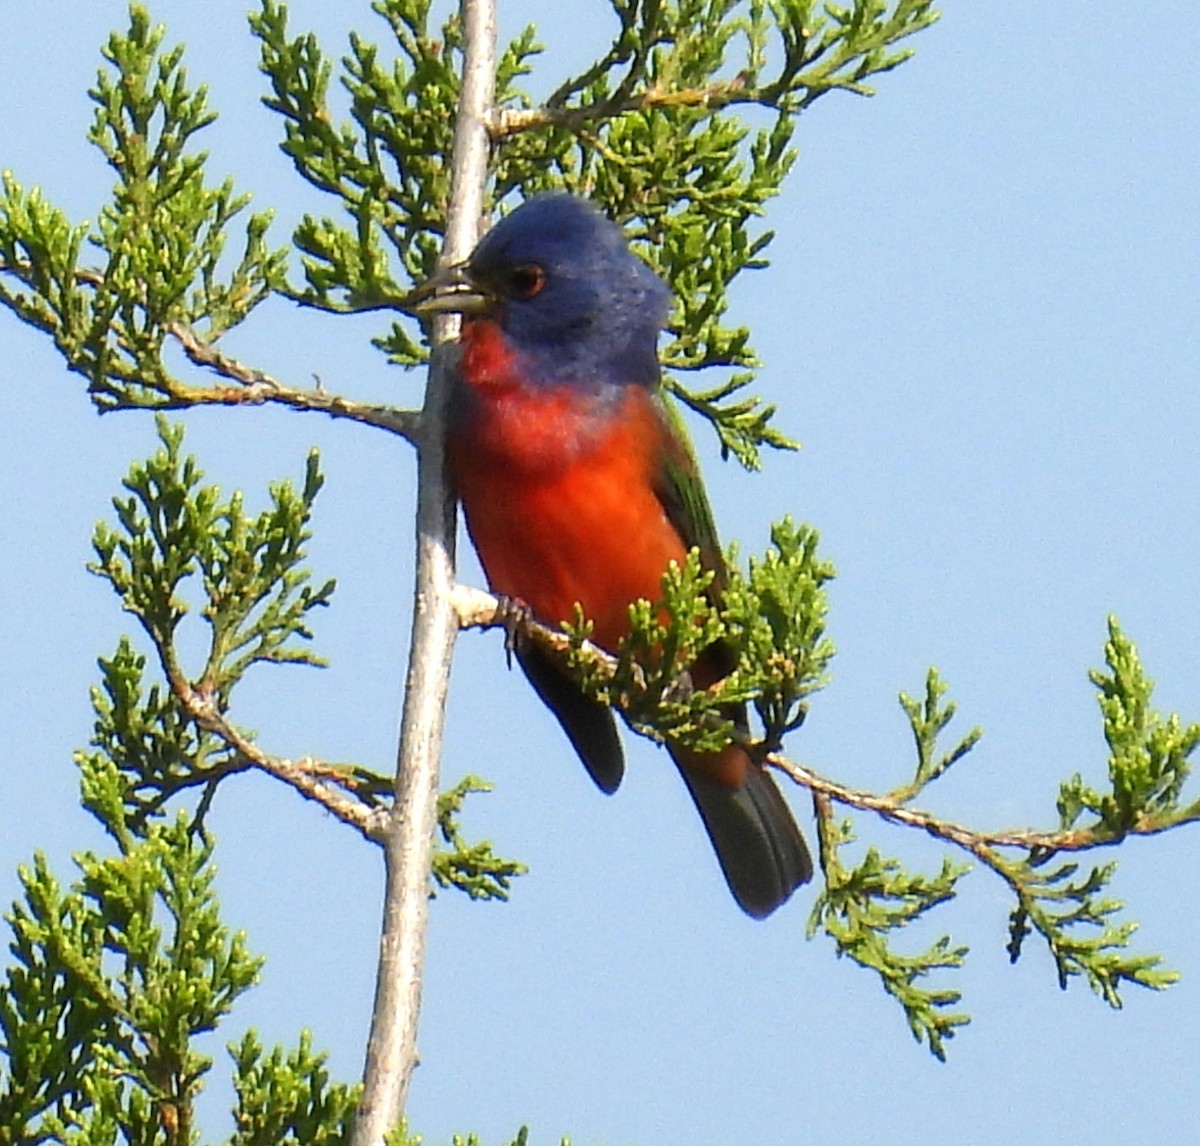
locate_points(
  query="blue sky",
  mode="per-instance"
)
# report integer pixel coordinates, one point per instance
(981, 322)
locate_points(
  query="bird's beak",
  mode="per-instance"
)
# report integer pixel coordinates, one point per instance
(449, 290)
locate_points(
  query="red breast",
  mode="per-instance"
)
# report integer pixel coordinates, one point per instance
(557, 487)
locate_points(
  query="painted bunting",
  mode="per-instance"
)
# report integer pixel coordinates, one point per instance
(576, 487)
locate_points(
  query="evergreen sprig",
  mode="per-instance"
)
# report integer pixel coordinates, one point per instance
(154, 740)
(928, 719)
(775, 615)
(1057, 898)
(860, 908)
(1149, 764)
(145, 749)
(112, 982)
(257, 592)
(1149, 757)
(285, 1098)
(1061, 900)
(172, 529)
(386, 166)
(473, 868)
(1067, 907)
(769, 623)
(649, 680)
(160, 240)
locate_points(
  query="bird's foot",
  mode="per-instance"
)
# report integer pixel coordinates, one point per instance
(514, 614)
(680, 688)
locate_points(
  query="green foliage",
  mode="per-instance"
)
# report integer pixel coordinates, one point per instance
(1148, 766)
(767, 623)
(256, 589)
(161, 238)
(39, 256)
(1148, 762)
(286, 1099)
(152, 741)
(115, 979)
(112, 982)
(860, 908)
(1057, 898)
(470, 867)
(144, 749)
(649, 681)
(257, 596)
(387, 167)
(928, 720)
(652, 682)
(1070, 913)
(775, 615)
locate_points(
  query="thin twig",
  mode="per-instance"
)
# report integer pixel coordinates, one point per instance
(973, 841)
(481, 610)
(511, 121)
(314, 779)
(253, 387)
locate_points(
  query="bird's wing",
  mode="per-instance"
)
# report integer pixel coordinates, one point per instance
(680, 489)
(589, 725)
(761, 850)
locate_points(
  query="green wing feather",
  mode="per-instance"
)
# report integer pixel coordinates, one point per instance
(681, 491)
(760, 849)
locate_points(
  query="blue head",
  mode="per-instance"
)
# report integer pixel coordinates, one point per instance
(571, 297)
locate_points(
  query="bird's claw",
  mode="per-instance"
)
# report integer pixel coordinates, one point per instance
(680, 688)
(514, 614)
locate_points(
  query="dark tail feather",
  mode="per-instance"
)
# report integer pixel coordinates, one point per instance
(588, 724)
(759, 847)
(762, 854)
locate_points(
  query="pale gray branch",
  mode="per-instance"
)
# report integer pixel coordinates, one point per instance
(253, 386)
(477, 609)
(408, 838)
(323, 783)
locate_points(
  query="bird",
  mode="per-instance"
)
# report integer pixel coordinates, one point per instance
(579, 488)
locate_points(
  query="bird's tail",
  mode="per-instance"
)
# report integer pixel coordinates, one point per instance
(760, 849)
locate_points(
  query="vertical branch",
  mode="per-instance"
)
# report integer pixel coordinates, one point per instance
(408, 846)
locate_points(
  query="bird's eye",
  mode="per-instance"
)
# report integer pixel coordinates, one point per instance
(526, 280)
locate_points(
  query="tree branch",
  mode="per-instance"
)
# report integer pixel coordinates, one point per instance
(254, 387)
(509, 121)
(478, 609)
(408, 839)
(323, 783)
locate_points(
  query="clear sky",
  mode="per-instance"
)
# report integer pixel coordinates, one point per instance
(982, 323)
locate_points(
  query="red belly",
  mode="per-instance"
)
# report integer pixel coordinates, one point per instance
(562, 511)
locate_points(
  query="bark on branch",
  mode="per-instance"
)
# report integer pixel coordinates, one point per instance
(408, 839)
